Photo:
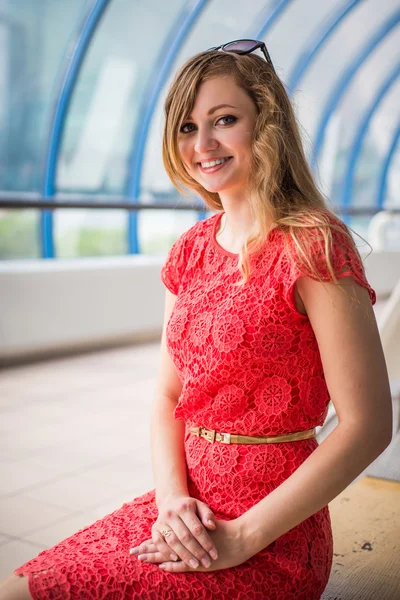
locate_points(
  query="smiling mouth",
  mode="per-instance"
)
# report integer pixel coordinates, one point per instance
(213, 165)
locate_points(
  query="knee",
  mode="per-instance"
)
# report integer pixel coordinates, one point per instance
(14, 587)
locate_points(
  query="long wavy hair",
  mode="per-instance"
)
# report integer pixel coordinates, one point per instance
(281, 188)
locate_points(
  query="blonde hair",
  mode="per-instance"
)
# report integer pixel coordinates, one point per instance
(281, 188)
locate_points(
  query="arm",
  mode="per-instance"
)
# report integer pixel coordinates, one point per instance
(167, 450)
(186, 517)
(355, 371)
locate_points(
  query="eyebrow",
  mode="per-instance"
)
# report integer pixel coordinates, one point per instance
(214, 108)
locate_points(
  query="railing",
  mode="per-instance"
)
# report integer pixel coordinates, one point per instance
(10, 200)
(36, 201)
(168, 201)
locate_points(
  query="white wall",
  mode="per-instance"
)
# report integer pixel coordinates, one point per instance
(53, 306)
(61, 305)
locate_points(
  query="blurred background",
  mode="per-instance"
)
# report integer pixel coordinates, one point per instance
(87, 212)
(82, 85)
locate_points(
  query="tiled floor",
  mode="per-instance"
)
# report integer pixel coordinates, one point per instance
(75, 445)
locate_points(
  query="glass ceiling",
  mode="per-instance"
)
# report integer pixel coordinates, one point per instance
(82, 85)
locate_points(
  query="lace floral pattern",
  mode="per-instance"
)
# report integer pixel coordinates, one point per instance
(249, 364)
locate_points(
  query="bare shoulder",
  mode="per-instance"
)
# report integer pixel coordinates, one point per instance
(344, 324)
(335, 298)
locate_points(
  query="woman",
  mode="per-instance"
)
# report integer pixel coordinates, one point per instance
(268, 316)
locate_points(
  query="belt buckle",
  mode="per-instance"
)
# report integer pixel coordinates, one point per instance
(208, 434)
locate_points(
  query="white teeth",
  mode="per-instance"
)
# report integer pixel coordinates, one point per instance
(213, 163)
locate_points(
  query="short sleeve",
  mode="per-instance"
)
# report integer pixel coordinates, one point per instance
(174, 266)
(344, 257)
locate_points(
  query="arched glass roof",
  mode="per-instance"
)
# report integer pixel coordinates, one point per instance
(82, 86)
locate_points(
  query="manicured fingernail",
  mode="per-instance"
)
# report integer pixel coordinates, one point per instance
(142, 557)
(214, 554)
(211, 522)
(161, 566)
(173, 557)
(133, 550)
(193, 563)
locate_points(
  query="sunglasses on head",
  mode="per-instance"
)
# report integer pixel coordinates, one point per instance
(245, 47)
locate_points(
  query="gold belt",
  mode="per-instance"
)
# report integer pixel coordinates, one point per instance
(232, 438)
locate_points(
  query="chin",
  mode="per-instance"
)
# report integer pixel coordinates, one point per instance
(215, 188)
(212, 190)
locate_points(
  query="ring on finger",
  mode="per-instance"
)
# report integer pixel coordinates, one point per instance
(166, 532)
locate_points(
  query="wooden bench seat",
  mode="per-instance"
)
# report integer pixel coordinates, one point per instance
(366, 532)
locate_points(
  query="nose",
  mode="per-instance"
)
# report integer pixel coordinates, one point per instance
(205, 140)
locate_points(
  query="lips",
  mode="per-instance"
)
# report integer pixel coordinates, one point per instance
(213, 159)
(216, 167)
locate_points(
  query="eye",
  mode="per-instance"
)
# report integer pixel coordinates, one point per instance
(229, 119)
(186, 128)
(225, 120)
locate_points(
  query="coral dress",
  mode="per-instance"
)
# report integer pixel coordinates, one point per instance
(249, 364)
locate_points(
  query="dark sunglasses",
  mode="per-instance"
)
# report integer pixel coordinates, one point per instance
(245, 47)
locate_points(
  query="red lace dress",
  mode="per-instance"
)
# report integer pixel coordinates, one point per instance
(249, 364)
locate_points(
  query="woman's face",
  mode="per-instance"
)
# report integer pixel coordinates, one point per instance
(220, 129)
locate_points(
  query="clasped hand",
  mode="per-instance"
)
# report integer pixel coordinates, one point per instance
(196, 538)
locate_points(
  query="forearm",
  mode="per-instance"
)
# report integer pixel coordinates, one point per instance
(340, 458)
(167, 451)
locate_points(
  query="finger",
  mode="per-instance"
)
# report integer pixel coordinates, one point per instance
(153, 557)
(201, 535)
(178, 567)
(173, 544)
(141, 547)
(206, 516)
(149, 547)
(183, 541)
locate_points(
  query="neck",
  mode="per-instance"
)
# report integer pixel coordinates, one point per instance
(235, 227)
(237, 222)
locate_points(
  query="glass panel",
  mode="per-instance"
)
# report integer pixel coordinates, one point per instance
(90, 233)
(335, 57)
(392, 199)
(104, 109)
(315, 90)
(348, 119)
(33, 43)
(373, 151)
(19, 237)
(298, 23)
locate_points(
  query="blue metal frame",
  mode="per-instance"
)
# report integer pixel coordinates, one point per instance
(315, 45)
(162, 67)
(72, 69)
(348, 76)
(272, 17)
(382, 189)
(361, 133)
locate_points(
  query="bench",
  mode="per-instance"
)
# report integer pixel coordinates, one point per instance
(366, 532)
